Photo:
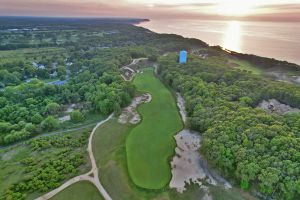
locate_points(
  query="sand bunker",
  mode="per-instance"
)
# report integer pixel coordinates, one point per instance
(186, 164)
(273, 105)
(130, 114)
(296, 79)
(181, 106)
(65, 118)
(71, 108)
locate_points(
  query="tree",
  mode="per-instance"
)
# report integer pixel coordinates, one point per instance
(61, 71)
(268, 179)
(77, 116)
(52, 108)
(246, 101)
(50, 124)
(30, 127)
(36, 118)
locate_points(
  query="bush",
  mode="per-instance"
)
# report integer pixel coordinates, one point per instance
(50, 124)
(77, 116)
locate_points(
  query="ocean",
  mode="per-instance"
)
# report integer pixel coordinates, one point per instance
(279, 40)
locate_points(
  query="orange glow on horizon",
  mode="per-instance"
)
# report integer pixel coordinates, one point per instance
(288, 10)
(233, 8)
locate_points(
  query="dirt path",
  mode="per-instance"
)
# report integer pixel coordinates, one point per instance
(92, 176)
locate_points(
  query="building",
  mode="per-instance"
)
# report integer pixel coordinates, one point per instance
(183, 57)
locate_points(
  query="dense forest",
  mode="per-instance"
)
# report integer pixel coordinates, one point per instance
(31, 108)
(258, 149)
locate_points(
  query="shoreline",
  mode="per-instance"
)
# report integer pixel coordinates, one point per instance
(190, 29)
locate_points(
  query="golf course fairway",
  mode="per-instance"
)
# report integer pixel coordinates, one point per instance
(150, 144)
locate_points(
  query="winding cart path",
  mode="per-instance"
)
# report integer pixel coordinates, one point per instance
(92, 176)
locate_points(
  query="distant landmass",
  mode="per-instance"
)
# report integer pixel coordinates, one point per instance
(7, 22)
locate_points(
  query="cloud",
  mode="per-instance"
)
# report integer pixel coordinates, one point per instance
(196, 5)
(152, 10)
(290, 6)
(90, 8)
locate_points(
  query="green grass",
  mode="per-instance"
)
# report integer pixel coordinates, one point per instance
(110, 153)
(151, 144)
(79, 191)
(11, 170)
(109, 147)
(244, 65)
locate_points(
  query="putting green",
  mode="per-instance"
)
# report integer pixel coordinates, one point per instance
(150, 145)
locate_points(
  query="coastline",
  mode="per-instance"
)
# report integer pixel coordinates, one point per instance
(268, 41)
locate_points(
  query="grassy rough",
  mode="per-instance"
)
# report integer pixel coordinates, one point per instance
(151, 144)
(78, 191)
(244, 65)
(12, 170)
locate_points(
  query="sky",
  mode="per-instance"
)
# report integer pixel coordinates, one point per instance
(262, 10)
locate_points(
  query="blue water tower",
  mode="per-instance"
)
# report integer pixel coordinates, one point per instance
(183, 57)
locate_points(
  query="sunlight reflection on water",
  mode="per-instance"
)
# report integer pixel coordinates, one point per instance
(232, 36)
(280, 40)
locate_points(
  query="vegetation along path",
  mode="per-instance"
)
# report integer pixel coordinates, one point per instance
(91, 176)
(150, 145)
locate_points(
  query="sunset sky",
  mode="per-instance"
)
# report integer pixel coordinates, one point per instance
(274, 10)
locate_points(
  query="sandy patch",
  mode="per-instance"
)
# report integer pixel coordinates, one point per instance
(181, 106)
(65, 118)
(186, 164)
(129, 69)
(273, 105)
(71, 108)
(207, 195)
(155, 65)
(297, 79)
(130, 114)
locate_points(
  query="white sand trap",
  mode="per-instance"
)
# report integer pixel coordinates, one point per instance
(64, 118)
(186, 164)
(71, 108)
(181, 106)
(130, 114)
(273, 105)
